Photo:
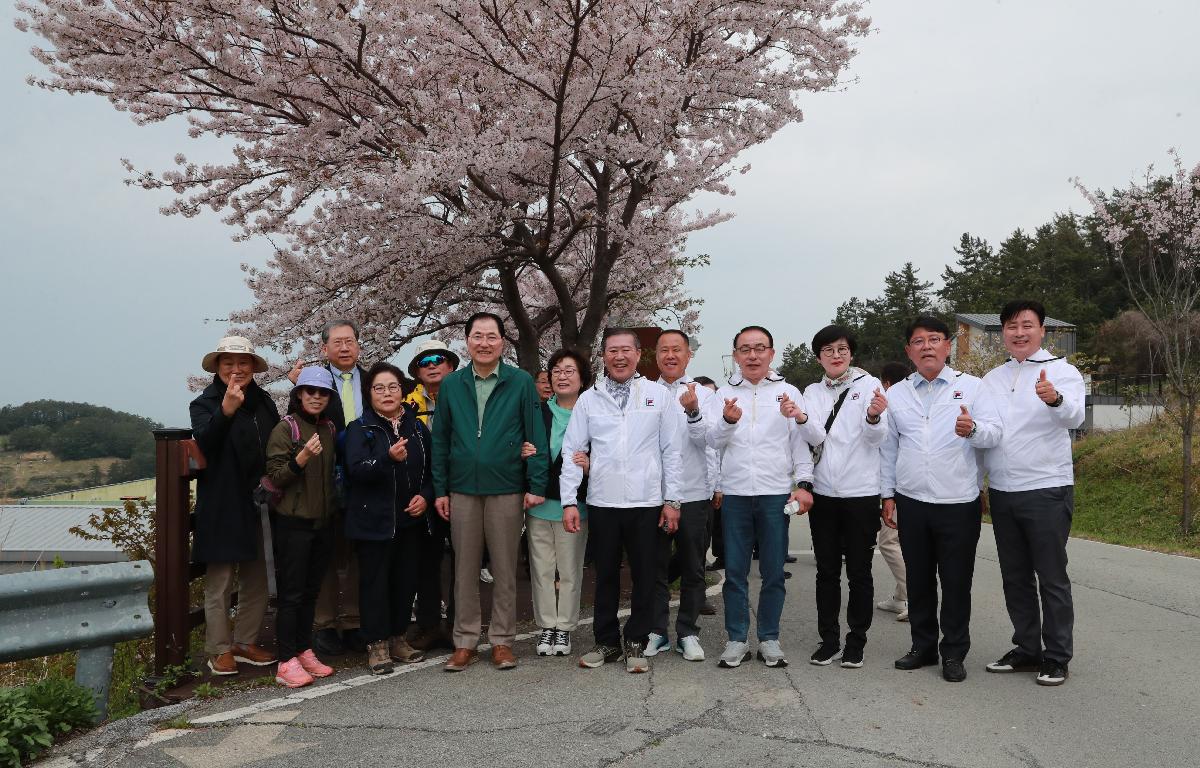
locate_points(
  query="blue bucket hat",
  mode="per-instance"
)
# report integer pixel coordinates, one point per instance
(316, 376)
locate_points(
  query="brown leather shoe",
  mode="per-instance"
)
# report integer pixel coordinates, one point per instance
(253, 654)
(502, 657)
(461, 659)
(223, 664)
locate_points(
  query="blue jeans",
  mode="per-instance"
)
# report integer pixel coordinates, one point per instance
(746, 521)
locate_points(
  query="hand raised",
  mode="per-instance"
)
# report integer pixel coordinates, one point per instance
(399, 449)
(964, 424)
(294, 374)
(689, 400)
(877, 405)
(310, 449)
(1045, 389)
(789, 408)
(234, 397)
(731, 412)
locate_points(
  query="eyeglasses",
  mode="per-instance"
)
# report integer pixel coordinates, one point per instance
(757, 349)
(429, 360)
(314, 391)
(926, 341)
(831, 351)
(564, 373)
(480, 338)
(380, 389)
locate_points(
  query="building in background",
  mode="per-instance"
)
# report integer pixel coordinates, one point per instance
(32, 536)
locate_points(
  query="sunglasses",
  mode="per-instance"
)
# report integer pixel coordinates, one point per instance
(429, 360)
(314, 391)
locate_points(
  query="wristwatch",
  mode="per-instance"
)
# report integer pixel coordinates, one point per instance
(675, 505)
(872, 419)
(805, 485)
(1057, 401)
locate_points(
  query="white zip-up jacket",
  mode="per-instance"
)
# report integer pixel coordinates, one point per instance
(849, 465)
(693, 447)
(922, 456)
(1035, 450)
(765, 452)
(634, 453)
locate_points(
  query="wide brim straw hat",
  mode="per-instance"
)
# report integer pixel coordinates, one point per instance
(233, 345)
(429, 348)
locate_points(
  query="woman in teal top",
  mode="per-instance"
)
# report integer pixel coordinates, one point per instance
(551, 548)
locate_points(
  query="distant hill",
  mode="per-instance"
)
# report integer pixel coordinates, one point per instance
(52, 445)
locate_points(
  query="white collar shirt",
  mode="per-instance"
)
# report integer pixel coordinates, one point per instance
(634, 452)
(922, 457)
(1035, 450)
(849, 465)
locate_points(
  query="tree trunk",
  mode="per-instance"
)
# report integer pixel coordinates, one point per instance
(1189, 419)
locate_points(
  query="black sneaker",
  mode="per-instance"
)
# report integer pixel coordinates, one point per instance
(1014, 661)
(789, 558)
(852, 658)
(1052, 673)
(825, 655)
(953, 670)
(327, 642)
(915, 659)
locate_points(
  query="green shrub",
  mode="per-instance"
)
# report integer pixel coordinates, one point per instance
(66, 704)
(24, 730)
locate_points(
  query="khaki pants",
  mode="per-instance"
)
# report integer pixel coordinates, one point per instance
(552, 548)
(888, 542)
(337, 603)
(496, 522)
(220, 579)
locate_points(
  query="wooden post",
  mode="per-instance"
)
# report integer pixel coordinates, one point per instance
(172, 569)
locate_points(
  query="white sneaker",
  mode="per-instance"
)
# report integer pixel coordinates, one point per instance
(657, 643)
(562, 643)
(771, 654)
(903, 616)
(892, 605)
(690, 648)
(545, 643)
(486, 576)
(734, 654)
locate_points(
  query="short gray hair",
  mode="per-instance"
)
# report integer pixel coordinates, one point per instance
(338, 322)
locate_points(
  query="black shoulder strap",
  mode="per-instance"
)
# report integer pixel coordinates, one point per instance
(836, 407)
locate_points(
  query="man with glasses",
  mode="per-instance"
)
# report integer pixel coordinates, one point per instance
(930, 488)
(336, 619)
(488, 411)
(1031, 487)
(431, 364)
(758, 424)
(630, 428)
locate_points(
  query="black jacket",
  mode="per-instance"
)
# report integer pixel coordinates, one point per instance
(380, 488)
(552, 489)
(227, 526)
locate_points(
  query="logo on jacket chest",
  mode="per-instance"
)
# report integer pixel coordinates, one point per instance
(958, 395)
(854, 396)
(649, 402)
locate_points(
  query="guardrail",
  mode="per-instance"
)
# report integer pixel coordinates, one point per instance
(88, 609)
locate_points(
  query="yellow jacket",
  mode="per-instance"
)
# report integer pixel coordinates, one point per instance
(423, 403)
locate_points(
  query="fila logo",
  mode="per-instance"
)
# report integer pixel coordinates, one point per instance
(854, 396)
(958, 394)
(649, 402)
(779, 398)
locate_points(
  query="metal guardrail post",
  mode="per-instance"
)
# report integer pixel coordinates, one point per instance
(172, 557)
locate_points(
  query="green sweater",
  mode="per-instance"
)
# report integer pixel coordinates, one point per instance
(485, 460)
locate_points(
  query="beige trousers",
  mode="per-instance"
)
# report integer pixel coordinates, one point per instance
(496, 522)
(220, 580)
(553, 549)
(888, 542)
(337, 602)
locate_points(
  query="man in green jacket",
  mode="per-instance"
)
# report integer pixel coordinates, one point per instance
(486, 412)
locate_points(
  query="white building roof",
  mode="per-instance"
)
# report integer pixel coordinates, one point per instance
(32, 533)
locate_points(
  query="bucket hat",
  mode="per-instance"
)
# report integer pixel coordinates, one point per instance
(233, 345)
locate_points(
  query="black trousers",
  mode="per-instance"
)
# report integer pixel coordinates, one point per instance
(688, 559)
(634, 532)
(302, 554)
(938, 542)
(1031, 529)
(844, 527)
(429, 580)
(388, 574)
(716, 535)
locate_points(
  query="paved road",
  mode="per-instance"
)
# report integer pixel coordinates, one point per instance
(1132, 700)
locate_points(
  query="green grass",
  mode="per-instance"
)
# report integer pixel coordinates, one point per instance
(1128, 489)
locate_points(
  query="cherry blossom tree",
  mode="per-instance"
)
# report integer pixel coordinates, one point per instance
(414, 160)
(1153, 228)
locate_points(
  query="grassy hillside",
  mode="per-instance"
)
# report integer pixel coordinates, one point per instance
(1128, 489)
(33, 473)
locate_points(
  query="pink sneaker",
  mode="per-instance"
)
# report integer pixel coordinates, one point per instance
(292, 675)
(312, 665)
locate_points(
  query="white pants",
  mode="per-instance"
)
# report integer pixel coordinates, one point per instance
(888, 542)
(553, 549)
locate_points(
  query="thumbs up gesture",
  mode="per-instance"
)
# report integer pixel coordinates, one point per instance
(1045, 389)
(877, 405)
(731, 412)
(964, 425)
(789, 408)
(688, 399)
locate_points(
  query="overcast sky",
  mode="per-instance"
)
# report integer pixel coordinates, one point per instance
(965, 116)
